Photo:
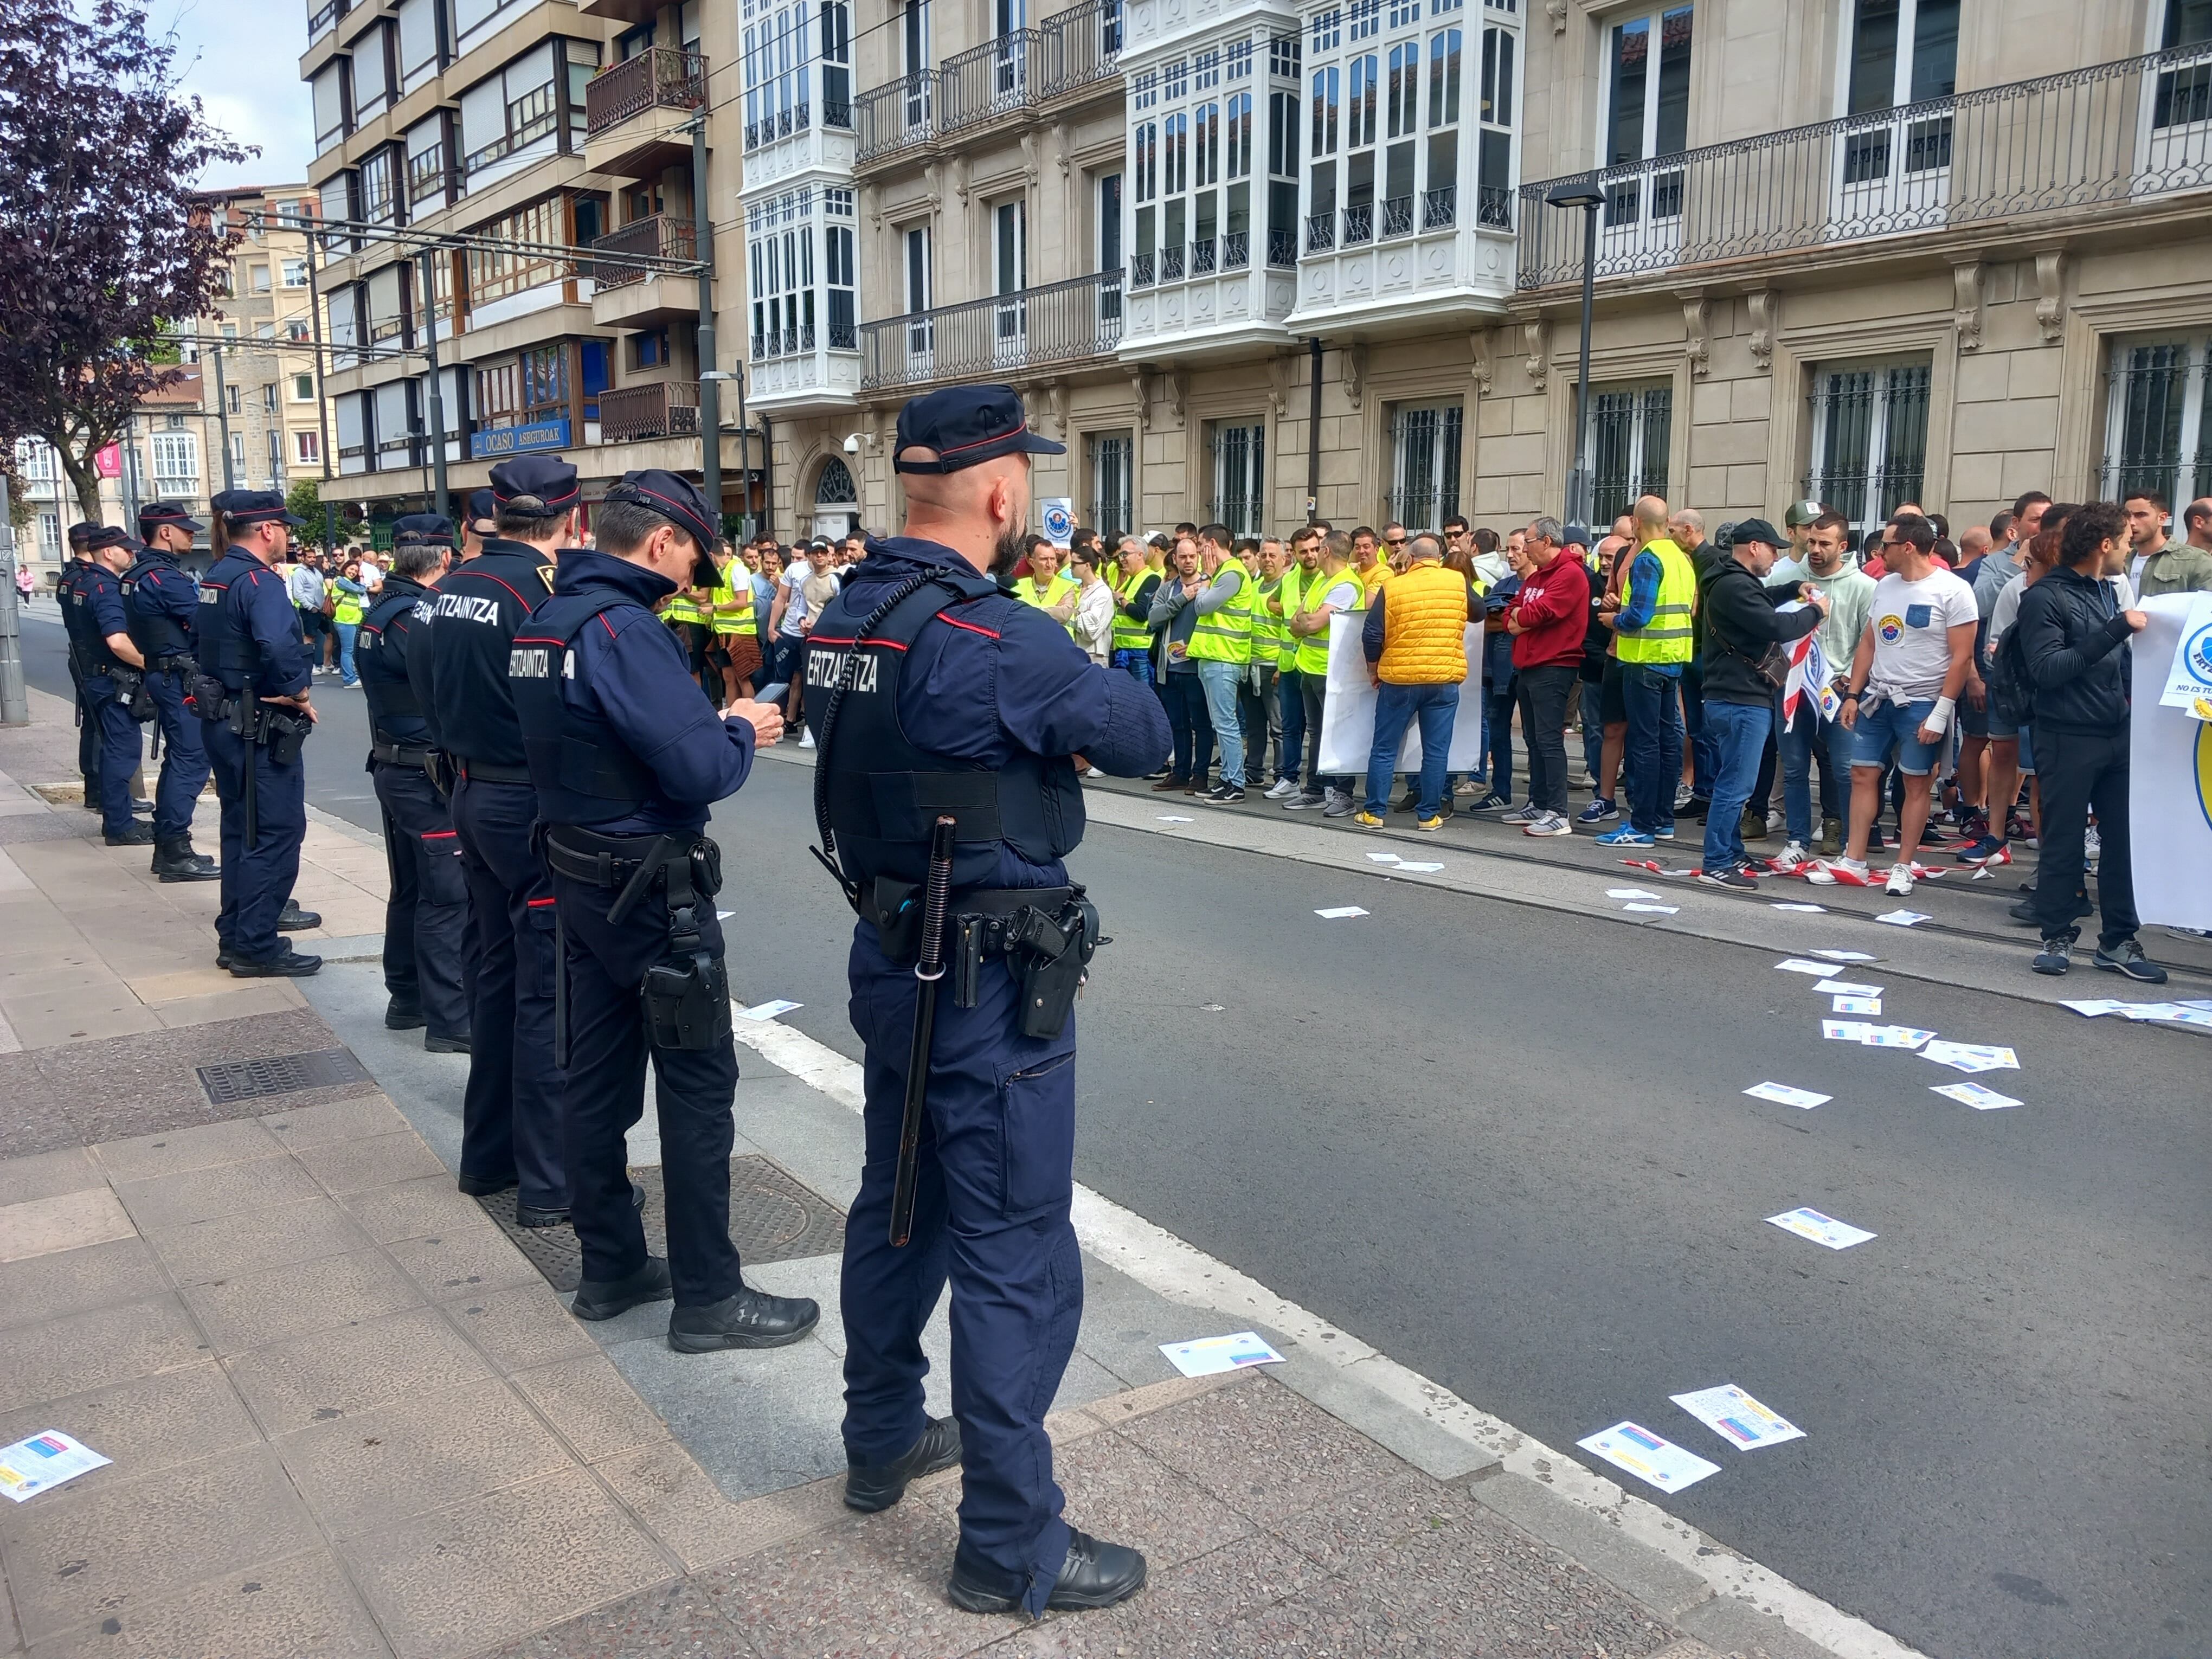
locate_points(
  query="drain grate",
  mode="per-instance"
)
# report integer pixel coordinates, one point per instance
(249, 1079)
(772, 1218)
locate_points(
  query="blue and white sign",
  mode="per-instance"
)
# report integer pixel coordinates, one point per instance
(1059, 520)
(2189, 680)
(494, 440)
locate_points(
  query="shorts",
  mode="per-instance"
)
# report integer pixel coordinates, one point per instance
(1611, 706)
(1974, 722)
(742, 652)
(1892, 727)
(2027, 751)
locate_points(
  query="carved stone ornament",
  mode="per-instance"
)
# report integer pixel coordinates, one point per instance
(1537, 337)
(1477, 345)
(1278, 385)
(1178, 389)
(1695, 311)
(1354, 371)
(1137, 376)
(1557, 9)
(1966, 303)
(2050, 295)
(1055, 393)
(1765, 306)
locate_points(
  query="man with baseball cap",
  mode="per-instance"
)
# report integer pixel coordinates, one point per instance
(935, 695)
(481, 520)
(162, 603)
(109, 663)
(511, 1112)
(78, 568)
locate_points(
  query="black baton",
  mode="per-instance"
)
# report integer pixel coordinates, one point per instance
(929, 974)
(248, 784)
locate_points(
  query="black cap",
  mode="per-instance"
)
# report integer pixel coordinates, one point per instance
(541, 486)
(966, 425)
(422, 530)
(483, 508)
(246, 507)
(1757, 530)
(677, 500)
(81, 532)
(104, 536)
(154, 514)
(1576, 535)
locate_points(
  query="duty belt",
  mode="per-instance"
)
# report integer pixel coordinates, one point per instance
(485, 772)
(392, 753)
(686, 997)
(177, 663)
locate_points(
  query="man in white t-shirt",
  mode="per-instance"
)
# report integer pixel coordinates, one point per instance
(1911, 663)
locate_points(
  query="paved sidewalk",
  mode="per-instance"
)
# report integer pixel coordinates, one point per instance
(349, 1416)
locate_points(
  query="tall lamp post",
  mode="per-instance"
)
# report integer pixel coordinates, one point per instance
(1581, 193)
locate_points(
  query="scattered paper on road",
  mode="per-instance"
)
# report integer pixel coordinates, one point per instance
(1654, 910)
(1972, 1057)
(1648, 1457)
(2190, 1017)
(1981, 1099)
(1846, 955)
(46, 1459)
(1894, 1036)
(1423, 866)
(1857, 1005)
(1628, 893)
(1844, 1030)
(1170, 817)
(1782, 1094)
(1808, 1223)
(1799, 965)
(1738, 1418)
(1802, 909)
(770, 1010)
(724, 915)
(2094, 1007)
(1382, 858)
(1904, 918)
(2153, 1010)
(1845, 987)
(1209, 1355)
(1339, 911)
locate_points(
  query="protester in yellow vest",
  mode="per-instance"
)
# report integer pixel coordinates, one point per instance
(1220, 651)
(1415, 643)
(1301, 565)
(1047, 586)
(1134, 584)
(1256, 699)
(737, 638)
(1651, 614)
(1334, 589)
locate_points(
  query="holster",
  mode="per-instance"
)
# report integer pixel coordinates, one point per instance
(208, 696)
(687, 997)
(130, 691)
(438, 767)
(1048, 936)
(283, 734)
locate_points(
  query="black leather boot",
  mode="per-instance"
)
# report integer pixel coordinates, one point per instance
(603, 1298)
(292, 920)
(869, 1487)
(750, 1319)
(175, 860)
(1096, 1574)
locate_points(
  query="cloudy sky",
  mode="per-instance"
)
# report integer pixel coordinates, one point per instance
(242, 57)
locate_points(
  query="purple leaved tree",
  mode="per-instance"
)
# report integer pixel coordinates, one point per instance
(102, 244)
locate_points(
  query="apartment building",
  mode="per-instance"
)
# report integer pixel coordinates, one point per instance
(1865, 250)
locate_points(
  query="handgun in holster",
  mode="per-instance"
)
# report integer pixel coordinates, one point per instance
(687, 995)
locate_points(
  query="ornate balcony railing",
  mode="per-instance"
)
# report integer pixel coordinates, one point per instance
(664, 236)
(1201, 257)
(895, 116)
(1080, 45)
(1440, 208)
(1398, 215)
(987, 80)
(1065, 53)
(1058, 323)
(1493, 207)
(1320, 232)
(1236, 250)
(1359, 224)
(2115, 135)
(1140, 270)
(665, 408)
(785, 342)
(1282, 249)
(659, 77)
(1171, 264)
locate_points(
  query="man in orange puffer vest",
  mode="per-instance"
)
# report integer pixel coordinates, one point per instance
(1415, 639)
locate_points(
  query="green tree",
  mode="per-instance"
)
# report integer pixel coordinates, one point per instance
(305, 501)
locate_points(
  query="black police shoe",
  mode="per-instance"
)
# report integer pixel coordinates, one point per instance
(750, 1319)
(533, 1215)
(292, 920)
(603, 1298)
(1096, 1574)
(434, 1044)
(138, 835)
(869, 1487)
(484, 1186)
(287, 963)
(397, 1018)
(175, 860)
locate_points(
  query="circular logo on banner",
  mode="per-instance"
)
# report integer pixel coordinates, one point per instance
(1059, 524)
(2204, 771)
(2196, 656)
(1893, 630)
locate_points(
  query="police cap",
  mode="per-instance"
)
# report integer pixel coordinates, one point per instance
(484, 510)
(422, 530)
(81, 534)
(154, 514)
(249, 507)
(103, 536)
(534, 486)
(966, 425)
(677, 500)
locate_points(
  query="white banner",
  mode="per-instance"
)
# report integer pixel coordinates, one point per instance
(1347, 721)
(2170, 778)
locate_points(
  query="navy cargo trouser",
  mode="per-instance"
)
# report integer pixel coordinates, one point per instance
(991, 1214)
(426, 915)
(184, 759)
(257, 878)
(118, 753)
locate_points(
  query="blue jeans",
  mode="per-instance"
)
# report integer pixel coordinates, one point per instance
(1652, 760)
(346, 631)
(1498, 729)
(1739, 734)
(1795, 743)
(1704, 756)
(1436, 707)
(1220, 680)
(1291, 695)
(1136, 664)
(1593, 731)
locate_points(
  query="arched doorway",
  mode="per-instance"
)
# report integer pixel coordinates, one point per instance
(836, 501)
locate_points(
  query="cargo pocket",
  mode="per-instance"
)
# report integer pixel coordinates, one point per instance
(444, 881)
(1037, 1106)
(544, 963)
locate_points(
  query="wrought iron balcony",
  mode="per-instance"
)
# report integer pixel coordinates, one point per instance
(1236, 250)
(1321, 231)
(895, 116)
(665, 408)
(1493, 207)
(785, 342)
(1171, 264)
(1080, 45)
(1359, 224)
(1061, 322)
(1140, 270)
(659, 77)
(1201, 258)
(2113, 135)
(1398, 215)
(663, 236)
(1440, 208)
(1282, 249)
(1066, 51)
(987, 81)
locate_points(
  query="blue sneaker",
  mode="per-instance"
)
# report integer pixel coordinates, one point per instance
(1627, 836)
(1664, 832)
(1598, 812)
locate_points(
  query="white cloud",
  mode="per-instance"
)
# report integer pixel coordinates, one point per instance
(241, 58)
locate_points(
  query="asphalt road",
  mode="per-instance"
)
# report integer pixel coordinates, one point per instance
(1507, 1146)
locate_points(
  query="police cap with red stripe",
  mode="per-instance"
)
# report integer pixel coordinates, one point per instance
(966, 425)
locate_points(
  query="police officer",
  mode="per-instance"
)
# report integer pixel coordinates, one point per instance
(959, 700)
(74, 616)
(482, 522)
(250, 694)
(627, 758)
(111, 671)
(511, 1112)
(162, 603)
(426, 915)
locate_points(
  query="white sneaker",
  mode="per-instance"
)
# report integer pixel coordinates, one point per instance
(1793, 857)
(1550, 823)
(1092, 772)
(1524, 815)
(1840, 872)
(806, 740)
(2093, 844)
(1900, 880)
(1282, 789)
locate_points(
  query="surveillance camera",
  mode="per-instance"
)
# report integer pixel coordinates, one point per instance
(852, 444)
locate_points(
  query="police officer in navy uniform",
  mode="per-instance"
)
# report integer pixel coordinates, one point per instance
(66, 585)
(251, 695)
(958, 700)
(482, 521)
(426, 915)
(511, 1112)
(628, 756)
(111, 668)
(162, 601)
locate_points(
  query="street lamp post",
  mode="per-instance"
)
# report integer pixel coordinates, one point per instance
(702, 249)
(1581, 193)
(438, 501)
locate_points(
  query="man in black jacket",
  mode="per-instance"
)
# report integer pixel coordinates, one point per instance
(1742, 626)
(2070, 635)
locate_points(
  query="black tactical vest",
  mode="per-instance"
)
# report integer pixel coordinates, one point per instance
(395, 714)
(155, 634)
(583, 772)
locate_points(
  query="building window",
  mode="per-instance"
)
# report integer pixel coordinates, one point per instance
(2184, 94)
(649, 350)
(297, 329)
(50, 535)
(235, 397)
(1902, 51)
(2156, 433)
(1646, 111)
(836, 500)
(1108, 455)
(176, 464)
(781, 252)
(919, 279)
(269, 398)
(1630, 427)
(1239, 449)
(1869, 439)
(303, 388)
(257, 278)
(1425, 463)
(307, 448)
(496, 274)
(1493, 159)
